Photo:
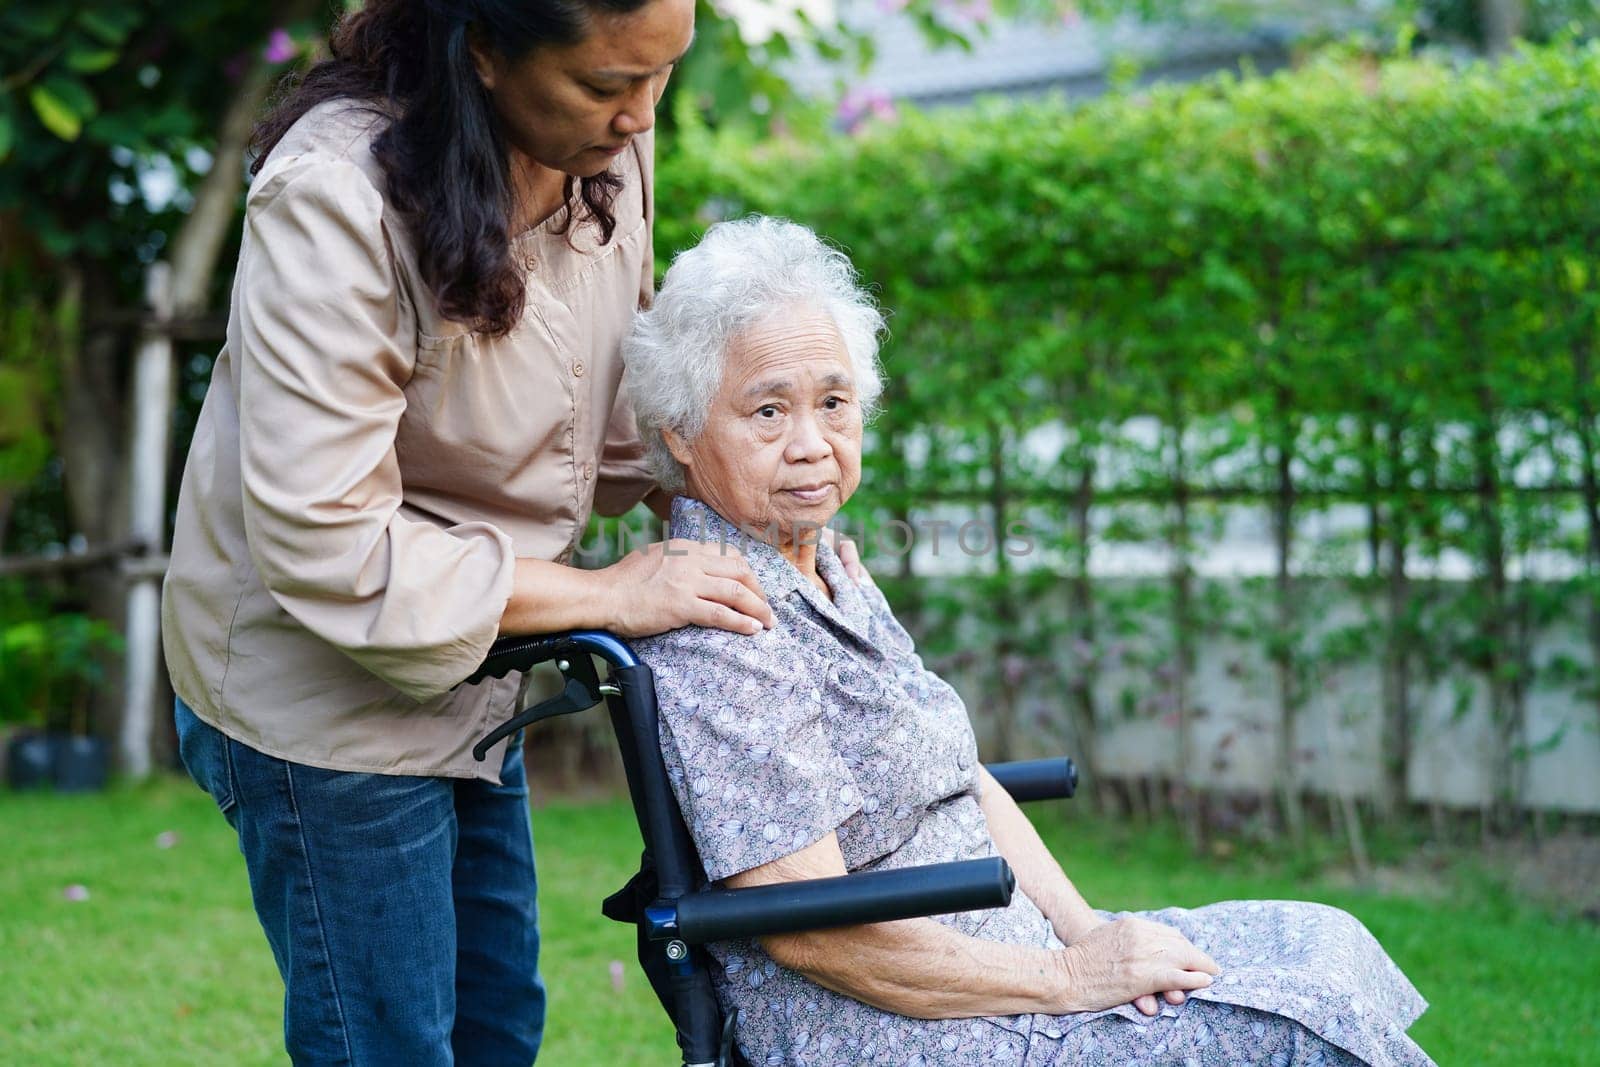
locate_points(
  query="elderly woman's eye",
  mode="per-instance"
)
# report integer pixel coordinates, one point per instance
(768, 411)
(834, 403)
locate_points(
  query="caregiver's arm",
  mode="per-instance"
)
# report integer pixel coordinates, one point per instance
(651, 590)
(923, 969)
(1038, 873)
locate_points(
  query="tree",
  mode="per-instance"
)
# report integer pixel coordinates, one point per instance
(123, 127)
(1501, 22)
(99, 101)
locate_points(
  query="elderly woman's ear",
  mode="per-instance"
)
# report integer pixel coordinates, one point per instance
(678, 447)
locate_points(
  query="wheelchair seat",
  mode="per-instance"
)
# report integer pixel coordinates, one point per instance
(669, 903)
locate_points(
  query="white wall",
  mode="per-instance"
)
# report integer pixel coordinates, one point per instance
(1235, 733)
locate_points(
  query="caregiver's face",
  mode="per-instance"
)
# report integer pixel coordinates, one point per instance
(575, 108)
(782, 443)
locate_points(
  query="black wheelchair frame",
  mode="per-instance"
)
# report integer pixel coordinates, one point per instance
(674, 912)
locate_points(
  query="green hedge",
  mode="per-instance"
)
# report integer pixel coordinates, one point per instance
(1362, 282)
(1407, 240)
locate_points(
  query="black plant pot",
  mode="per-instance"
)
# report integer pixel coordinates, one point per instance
(78, 764)
(28, 760)
(70, 764)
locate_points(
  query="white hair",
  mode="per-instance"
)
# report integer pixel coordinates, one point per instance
(740, 273)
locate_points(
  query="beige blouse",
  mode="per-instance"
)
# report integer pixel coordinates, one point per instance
(364, 473)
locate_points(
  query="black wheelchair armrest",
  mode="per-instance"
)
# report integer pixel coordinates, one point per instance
(1037, 779)
(848, 900)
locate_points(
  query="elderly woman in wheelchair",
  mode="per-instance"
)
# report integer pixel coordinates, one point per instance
(823, 746)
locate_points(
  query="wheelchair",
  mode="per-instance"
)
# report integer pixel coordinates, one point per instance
(673, 910)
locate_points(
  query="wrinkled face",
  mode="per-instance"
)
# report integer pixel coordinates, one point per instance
(781, 448)
(574, 108)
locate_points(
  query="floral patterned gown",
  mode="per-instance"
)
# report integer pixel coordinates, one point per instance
(830, 722)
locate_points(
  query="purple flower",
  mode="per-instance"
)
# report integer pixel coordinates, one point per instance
(965, 12)
(976, 12)
(280, 47)
(861, 104)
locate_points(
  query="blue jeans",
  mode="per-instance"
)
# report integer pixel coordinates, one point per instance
(400, 910)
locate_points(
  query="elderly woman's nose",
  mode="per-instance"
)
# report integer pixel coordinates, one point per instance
(807, 442)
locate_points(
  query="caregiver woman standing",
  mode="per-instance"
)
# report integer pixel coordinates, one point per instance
(418, 405)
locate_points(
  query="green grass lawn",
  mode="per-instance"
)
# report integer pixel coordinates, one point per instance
(164, 962)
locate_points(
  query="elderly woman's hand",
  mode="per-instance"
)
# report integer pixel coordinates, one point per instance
(1132, 960)
(1148, 1004)
(676, 583)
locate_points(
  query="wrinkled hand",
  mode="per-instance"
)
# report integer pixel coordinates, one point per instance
(1148, 1004)
(675, 583)
(1133, 960)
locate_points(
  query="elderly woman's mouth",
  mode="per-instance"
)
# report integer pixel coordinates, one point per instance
(810, 494)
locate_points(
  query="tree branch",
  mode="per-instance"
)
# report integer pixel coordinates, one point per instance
(199, 239)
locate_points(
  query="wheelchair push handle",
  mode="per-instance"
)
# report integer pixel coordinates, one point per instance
(849, 900)
(524, 652)
(514, 654)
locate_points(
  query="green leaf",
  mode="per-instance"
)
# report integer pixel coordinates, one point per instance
(8, 135)
(126, 128)
(35, 22)
(92, 60)
(110, 26)
(57, 117)
(73, 94)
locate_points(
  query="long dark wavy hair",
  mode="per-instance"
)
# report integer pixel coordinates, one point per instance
(445, 162)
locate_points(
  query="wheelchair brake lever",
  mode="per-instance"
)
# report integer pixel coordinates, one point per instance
(583, 690)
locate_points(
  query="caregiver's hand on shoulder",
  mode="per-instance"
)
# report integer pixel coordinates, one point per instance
(1132, 960)
(850, 557)
(675, 583)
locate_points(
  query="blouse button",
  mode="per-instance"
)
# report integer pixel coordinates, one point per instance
(577, 369)
(588, 471)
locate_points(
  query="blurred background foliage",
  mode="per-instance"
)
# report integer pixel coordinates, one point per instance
(1363, 283)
